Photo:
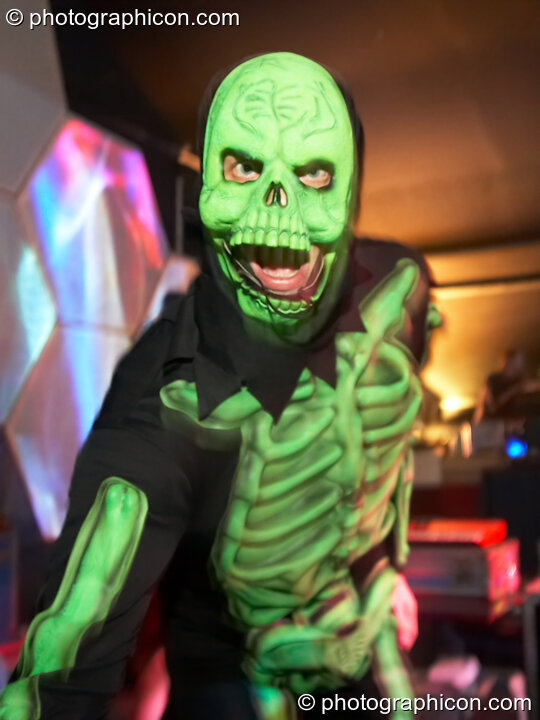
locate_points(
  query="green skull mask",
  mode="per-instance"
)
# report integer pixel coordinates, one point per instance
(279, 188)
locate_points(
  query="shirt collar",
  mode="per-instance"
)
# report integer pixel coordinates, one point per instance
(211, 347)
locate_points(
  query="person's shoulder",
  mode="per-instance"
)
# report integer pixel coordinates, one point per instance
(374, 260)
(380, 255)
(142, 365)
(156, 334)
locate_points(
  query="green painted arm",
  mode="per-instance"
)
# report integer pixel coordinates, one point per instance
(95, 574)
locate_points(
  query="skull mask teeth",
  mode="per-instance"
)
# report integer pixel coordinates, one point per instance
(272, 229)
(276, 234)
(277, 245)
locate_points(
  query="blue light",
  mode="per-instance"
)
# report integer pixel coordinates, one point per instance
(516, 448)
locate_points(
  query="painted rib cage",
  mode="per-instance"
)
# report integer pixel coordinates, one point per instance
(312, 493)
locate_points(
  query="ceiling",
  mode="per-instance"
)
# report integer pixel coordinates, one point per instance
(448, 91)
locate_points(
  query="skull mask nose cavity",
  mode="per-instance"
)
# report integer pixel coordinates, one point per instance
(276, 195)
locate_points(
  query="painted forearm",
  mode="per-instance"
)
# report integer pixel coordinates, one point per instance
(95, 574)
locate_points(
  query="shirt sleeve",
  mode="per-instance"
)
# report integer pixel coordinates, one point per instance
(127, 441)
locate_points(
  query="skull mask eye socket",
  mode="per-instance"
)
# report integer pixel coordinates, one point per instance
(317, 174)
(240, 168)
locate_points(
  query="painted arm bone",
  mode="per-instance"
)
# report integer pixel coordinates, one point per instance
(95, 574)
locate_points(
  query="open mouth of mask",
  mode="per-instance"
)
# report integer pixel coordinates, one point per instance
(277, 261)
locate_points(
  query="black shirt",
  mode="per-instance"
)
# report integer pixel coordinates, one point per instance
(199, 337)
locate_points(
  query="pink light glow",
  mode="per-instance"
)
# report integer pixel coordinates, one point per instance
(98, 227)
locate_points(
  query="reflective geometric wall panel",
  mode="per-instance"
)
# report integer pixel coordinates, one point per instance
(92, 208)
(27, 313)
(84, 264)
(30, 551)
(176, 278)
(32, 94)
(55, 412)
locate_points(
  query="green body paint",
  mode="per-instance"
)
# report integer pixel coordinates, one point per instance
(95, 574)
(312, 493)
(283, 111)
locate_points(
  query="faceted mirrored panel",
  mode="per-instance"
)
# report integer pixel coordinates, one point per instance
(55, 412)
(20, 588)
(32, 95)
(14, 503)
(95, 218)
(27, 313)
(176, 278)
